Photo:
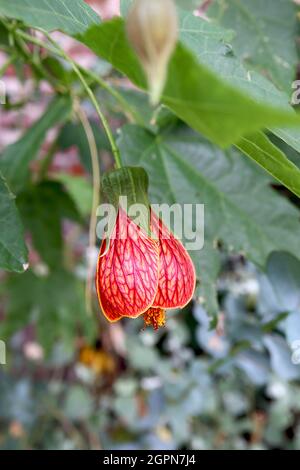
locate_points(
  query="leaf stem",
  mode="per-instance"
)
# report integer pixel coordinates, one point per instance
(57, 50)
(36, 65)
(93, 99)
(132, 114)
(96, 200)
(94, 78)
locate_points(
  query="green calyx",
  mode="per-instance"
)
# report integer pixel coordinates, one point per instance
(127, 188)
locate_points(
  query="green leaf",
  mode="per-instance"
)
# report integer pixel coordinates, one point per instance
(70, 16)
(265, 35)
(80, 190)
(54, 303)
(193, 91)
(73, 134)
(79, 404)
(43, 207)
(185, 168)
(136, 105)
(14, 162)
(283, 271)
(13, 252)
(55, 68)
(4, 40)
(268, 156)
(188, 4)
(281, 356)
(185, 4)
(210, 43)
(289, 136)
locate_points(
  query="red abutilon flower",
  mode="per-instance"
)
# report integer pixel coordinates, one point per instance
(137, 274)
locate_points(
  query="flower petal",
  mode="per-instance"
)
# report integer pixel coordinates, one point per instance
(127, 275)
(177, 278)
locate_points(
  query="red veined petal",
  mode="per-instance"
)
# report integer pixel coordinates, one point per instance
(177, 278)
(127, 275)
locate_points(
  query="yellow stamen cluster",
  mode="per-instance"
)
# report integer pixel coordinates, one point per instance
(155, 317)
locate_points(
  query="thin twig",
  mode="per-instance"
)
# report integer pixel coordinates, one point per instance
(93, 99)
(93, 76)
(57, 50)
(96, 200)
(36, 65)
(126, 107)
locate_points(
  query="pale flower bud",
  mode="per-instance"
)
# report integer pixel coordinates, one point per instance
(152, 31)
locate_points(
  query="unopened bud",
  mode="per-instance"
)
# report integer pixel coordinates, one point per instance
(152, 30)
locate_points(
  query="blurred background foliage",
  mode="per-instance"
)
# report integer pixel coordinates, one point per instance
(225, 372)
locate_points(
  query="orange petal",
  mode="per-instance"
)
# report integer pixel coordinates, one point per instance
(177, 278)
(127, 275)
